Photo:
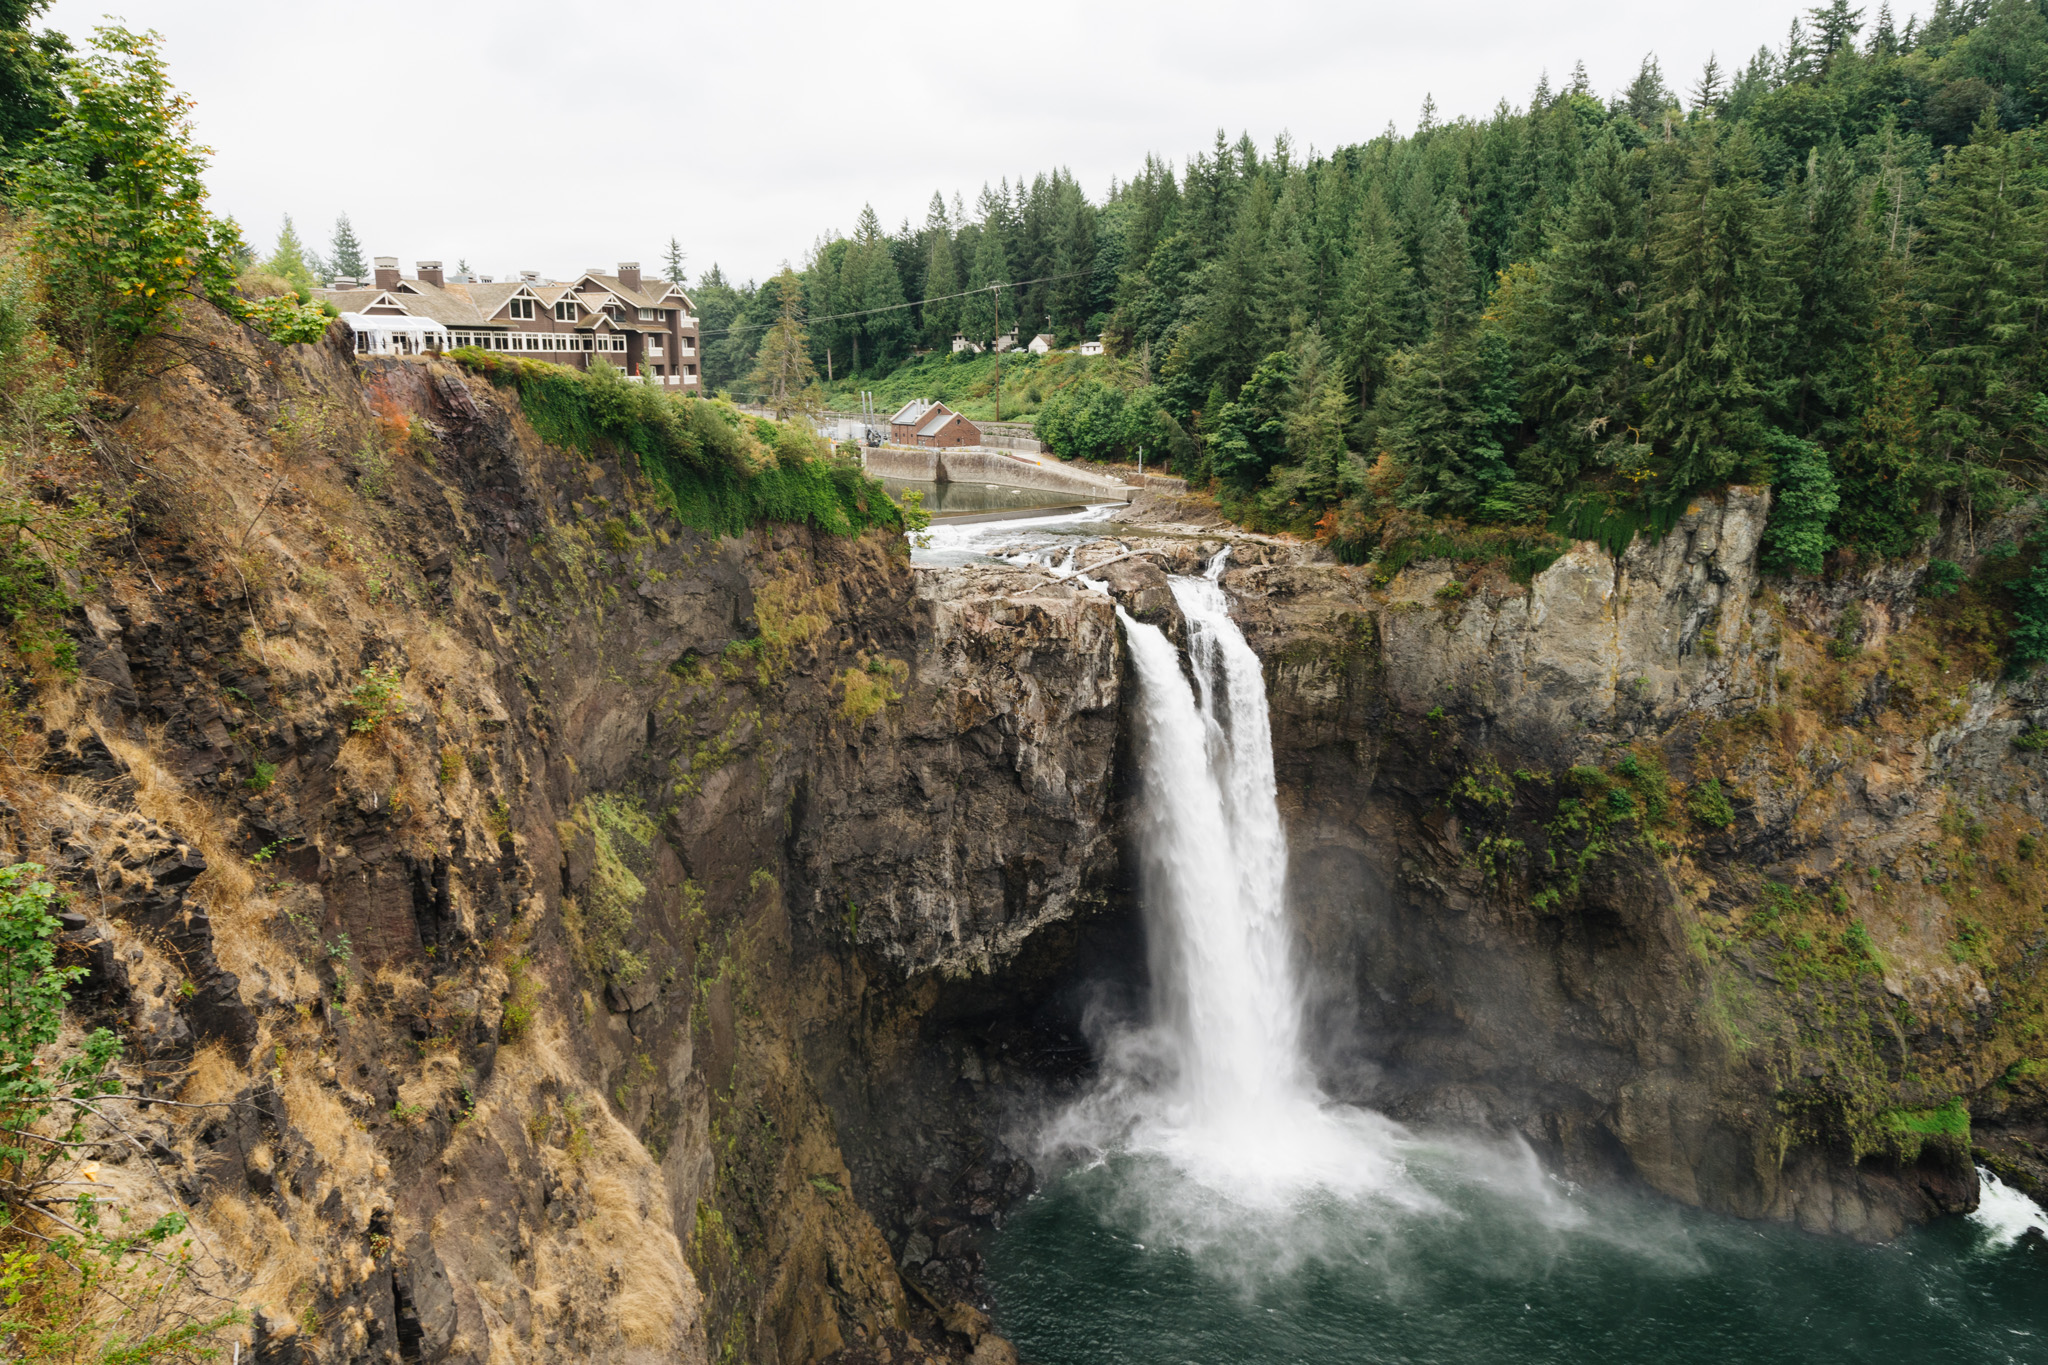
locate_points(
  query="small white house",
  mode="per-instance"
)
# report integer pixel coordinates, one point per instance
(1040, 344)
(961, 343)
(1006, 342)
(1092, 347)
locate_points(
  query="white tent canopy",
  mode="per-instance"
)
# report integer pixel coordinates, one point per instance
(395, 334)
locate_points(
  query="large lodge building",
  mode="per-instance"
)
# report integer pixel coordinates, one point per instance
(645, 327)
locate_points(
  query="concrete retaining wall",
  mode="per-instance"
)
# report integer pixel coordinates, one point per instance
(973, 464)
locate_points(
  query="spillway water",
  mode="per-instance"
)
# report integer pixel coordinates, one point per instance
(1212, 1204)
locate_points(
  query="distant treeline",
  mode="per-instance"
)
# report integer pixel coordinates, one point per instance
(1825, 269)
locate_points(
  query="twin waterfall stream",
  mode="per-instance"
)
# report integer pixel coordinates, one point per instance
(1206, 1201)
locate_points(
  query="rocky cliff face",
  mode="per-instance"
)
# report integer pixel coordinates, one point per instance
(1677, 872)
(490, 849)
(603, 940)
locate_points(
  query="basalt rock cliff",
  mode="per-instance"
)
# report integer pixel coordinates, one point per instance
(598, 939)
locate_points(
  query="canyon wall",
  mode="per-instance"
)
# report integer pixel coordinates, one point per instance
(598, 939)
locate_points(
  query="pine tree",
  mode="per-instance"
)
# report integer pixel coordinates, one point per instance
(783, 377)
(885, 322)
(1584, 324)
(1980, 290)
(1379, 298)
(1884, 38)
(981, 310)
(1322, 407)
(1710, 94)
(1832, 256)
(1451, 400)
(1835, 27)
(345, 253)
(672, 263)
(1647, 97)
(288, 259)
(1884, 478)
(941, 312)
(1714, 326)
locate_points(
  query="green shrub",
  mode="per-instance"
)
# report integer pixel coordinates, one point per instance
(1709, 805)
(117, 205)
(1942, 579)
(379, 698)
(718, 469)
(288, 319)
(1803, 501)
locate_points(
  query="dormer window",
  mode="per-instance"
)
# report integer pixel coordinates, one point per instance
(565, 311)
(522, 310)
(646, 314)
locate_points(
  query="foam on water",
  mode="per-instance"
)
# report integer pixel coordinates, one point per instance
(2003, 1213)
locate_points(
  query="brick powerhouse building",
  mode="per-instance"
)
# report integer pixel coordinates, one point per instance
(923, 423)
(633, 323)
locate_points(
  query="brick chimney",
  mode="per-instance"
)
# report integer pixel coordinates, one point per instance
(430, 273)
(629, 275)
(387, 272)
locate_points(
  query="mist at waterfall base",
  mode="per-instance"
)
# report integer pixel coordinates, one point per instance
(1207, 1203)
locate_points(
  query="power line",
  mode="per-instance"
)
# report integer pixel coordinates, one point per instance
(897, 307)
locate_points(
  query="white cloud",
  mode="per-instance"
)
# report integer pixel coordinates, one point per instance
(522, 135)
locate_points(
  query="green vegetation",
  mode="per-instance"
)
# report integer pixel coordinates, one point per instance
(718, 469)
(966, 383)
(874, 686)
(116, 209)
(378, 700)
(620, 833)
(1820, 272)
(72, 1287)
(1911, 1128)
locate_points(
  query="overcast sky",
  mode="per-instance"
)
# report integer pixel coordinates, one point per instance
(554, 137)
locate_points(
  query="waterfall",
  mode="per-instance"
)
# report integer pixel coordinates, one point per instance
(1217, 1082)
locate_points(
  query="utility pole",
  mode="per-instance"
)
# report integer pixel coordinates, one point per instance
(998, 350)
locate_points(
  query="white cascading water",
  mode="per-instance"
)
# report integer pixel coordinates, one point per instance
(1217, 1084)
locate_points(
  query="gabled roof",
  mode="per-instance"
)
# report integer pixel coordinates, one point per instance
(612, 284)
(669, 291)
(361, 300)
(938, 424)
(911, 412)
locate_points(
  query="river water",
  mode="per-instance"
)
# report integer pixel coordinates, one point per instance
(1207, 1203)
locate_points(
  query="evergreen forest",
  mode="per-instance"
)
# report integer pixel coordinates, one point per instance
(1822, 268)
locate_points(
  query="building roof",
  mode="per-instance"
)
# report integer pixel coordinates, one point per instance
(912, 412)
(358, 300)
(389, 322)
(613, 284)
(941, 421)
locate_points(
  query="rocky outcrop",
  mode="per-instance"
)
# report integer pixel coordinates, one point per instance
(1676, 883)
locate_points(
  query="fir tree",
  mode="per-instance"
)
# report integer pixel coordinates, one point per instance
(1885, 483)
(783, 377)
(1980, 285)
(1710, 93)
(1379, 296)
(288, 259)
(1835, 27)
(1715, 325)
(345, 253)
(1585, 321)
(981, 311)
(672, 263)
(941, 311)
(1832, 257)
(1647, 96)
(1803, 499)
